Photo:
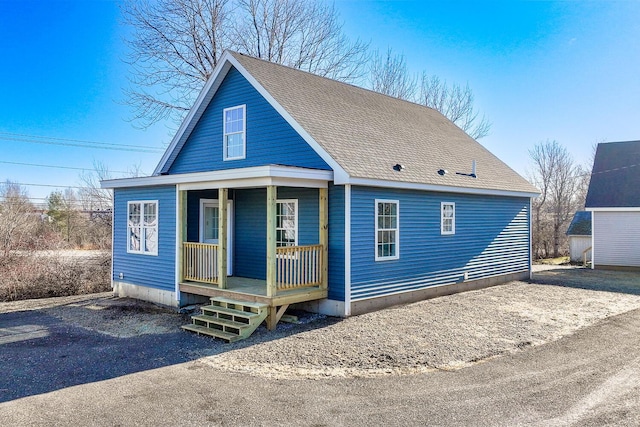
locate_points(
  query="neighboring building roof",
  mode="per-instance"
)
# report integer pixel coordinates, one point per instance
(363, 134)
(615, 179)
(580, 224)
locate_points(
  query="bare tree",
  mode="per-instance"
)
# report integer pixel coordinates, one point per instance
(558, 178)
(174, 47)
(17, 217)
(176, 44)
(389, 75)
(456, 103)
(92, 196)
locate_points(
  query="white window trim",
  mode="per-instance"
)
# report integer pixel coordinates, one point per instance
(244, 133)
(142, 241)
(297, 225)
(453, 222)
(397, 255)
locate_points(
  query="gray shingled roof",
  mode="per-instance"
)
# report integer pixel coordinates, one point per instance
(367, 133)
(580, 224)
(615, 179)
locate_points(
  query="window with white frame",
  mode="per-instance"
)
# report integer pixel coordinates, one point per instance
(234, 124)
(286, 222)
(142, 227)
(447, 218)
(387, 230)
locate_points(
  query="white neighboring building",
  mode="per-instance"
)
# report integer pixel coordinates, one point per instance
(614, 201)
(579, 233)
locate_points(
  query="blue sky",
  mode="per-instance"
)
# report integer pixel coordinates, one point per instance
(568, 71)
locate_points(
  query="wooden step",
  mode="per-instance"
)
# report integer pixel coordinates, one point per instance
(216, 333)
(255, 307)
(229, 311)
(220, 321)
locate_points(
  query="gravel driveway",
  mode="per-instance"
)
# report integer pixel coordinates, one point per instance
(444, 333)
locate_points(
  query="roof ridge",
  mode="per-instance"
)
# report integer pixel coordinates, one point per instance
(334, 81)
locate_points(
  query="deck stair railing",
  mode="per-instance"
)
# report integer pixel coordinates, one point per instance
(200, 262)
(298, 266)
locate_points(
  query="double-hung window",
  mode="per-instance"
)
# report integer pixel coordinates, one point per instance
(387, 230)
(447, 218)
(142, 227)
(286, 222)
(234, 125)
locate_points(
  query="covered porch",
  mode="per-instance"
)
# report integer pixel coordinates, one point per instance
(254, 240)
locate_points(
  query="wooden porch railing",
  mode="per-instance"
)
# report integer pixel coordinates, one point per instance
(200, 262)
(298, 266)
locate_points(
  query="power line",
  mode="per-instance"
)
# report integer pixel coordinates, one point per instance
(45, 185)
(35, 139)
(54, 166)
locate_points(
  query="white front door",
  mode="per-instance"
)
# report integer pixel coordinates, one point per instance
(209, 213)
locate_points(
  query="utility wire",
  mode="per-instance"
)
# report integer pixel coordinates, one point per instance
(34, 139)
(54, 166)
(46, 185)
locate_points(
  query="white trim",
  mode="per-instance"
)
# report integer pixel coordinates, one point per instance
(225, 149)
(397, 230)
(629, 209)
(453, 221)
(220, 71)
(157, 227)
(233, 178)
(367, 182)
(194, 114)
(530, 241)
(113, 235)
(593, 240)
(288, 118)
(297, 227)
(347, 250)
(178, 243)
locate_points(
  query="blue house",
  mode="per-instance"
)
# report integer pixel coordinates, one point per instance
(282, 187)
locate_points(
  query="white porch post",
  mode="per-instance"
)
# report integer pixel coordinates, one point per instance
(223, 196)
(271, 240)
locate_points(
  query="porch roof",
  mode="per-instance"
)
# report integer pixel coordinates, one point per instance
(258, 176)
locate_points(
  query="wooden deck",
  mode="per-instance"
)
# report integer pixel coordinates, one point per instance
(254, 290)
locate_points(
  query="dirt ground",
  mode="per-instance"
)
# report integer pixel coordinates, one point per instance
(444, 333)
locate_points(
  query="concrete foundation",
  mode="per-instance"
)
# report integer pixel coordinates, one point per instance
(157, 296)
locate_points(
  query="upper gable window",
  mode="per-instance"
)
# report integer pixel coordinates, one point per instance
(234, 144)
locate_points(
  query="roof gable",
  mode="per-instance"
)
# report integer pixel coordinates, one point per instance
(615, 179)
(580, 224)
(362, 134)
(269, 138)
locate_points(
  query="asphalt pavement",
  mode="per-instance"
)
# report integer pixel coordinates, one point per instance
(73, 377)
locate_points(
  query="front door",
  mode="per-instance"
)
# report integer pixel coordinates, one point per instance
(209, 212)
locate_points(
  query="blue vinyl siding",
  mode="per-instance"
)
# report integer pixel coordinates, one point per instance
(251, 226)
(269, 138)
(146, 270)
(491, 238)
(336, 242)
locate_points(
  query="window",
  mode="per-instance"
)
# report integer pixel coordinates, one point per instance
(286, 223)
(142, 227)
(447, 218)
(234, 133)
(387, 230)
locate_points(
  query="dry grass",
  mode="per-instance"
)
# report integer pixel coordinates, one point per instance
(49, 274)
